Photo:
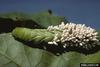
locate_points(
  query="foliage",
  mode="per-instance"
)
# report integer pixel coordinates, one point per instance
(44, 19)
(15, 16)
(14, 53)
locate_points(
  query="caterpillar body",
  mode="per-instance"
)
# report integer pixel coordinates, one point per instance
(70, 35)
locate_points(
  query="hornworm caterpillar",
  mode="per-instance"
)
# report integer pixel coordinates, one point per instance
(35, 35)
(68, 35)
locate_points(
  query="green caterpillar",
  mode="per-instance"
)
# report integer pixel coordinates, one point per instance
(69, 35)
(35, 35)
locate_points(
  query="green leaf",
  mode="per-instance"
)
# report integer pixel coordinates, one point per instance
(9, 21)
(45, 19)
(16, 54)
(15, 16)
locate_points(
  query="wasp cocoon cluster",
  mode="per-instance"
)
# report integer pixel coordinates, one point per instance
(71, 34)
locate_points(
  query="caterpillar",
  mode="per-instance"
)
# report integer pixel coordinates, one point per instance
(35, 35)
(71, 35)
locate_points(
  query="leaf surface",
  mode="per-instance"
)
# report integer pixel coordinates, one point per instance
(15, 54)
